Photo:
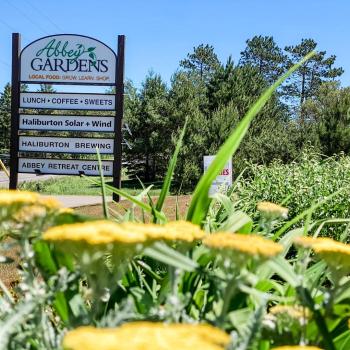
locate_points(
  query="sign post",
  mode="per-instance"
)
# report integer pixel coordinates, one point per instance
(66, 59)
(119, 95)
(15, 91)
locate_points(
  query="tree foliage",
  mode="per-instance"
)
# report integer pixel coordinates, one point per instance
(263, 53)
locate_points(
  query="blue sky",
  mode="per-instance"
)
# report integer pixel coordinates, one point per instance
(161, 32)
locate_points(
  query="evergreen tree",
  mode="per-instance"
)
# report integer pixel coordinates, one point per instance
(202, 60)
(5, 117)
(329, 111)
(186, 99)
(150, 127)
(263, 53)
(46, 88)
(305, 82)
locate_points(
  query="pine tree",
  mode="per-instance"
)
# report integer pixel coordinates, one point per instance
(5, 117)
(308, 78)
(202, 61)
(150, 127)
(263, 53)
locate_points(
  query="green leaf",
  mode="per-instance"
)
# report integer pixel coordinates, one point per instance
(171, 168)
(307, 300)
(129, 197)
(238, 222)
(169, 256)
(284, 270)
(60, 304)
(103, 185)
(306, 212)
(200, 202)
(342, 342)
(90, 49)
(44, 258)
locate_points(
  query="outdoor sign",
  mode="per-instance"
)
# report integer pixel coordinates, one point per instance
(64, 166)
(65, 145)
(71, 60)
(53, 122)
(224, 180)
(44, 100)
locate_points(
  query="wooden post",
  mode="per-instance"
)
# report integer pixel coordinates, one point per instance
(15, 91)
(119, 100)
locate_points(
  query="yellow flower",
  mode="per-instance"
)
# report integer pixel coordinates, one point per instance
(173, 231)
(66, 211)
(336, 254)
(297, 347)
(104, 232)
(49, 202)
(295, 312)
(305, 241)
(14, 197)
(29, 213)
(272, 210)
(147, 336)
(247, 245)
(93, 233)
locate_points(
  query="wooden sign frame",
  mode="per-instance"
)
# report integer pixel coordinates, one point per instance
(15, 109)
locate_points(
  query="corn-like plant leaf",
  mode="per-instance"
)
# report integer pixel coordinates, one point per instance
(282, 267)
(342, 342)
(169, 256)
(238, 222)
(171, 168)
(103, 185)
(306, 212)
(200, 202)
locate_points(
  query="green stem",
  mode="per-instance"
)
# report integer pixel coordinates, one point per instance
(307, 301)
(230, 290)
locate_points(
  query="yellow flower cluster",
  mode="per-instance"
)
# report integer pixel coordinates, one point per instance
(336, 254)
(248, 245)
(272, 210)
(93, 233)
(13, 197)
(173, 231)
(297, 347)
(29, 213)
(104, 232)
(147, 336)
(295, 312)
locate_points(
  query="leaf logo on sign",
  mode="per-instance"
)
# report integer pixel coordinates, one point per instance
(56, 48)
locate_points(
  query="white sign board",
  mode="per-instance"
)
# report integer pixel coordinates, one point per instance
(64, 166)
(65, 145)
(43, 100)
(222, 181)
(66, 123)
(70, 59)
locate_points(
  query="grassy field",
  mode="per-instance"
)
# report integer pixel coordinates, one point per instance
(74, 185)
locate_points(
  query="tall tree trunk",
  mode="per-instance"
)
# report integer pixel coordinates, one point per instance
(147, 167)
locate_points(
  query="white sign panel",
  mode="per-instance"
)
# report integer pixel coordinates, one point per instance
(70, 59)
(66, 123)
(44, 100)
(65, 145)
(222, 181)
(64, 166)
